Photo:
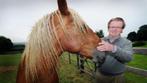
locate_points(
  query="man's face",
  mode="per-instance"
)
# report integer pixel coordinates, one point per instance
(115, 28)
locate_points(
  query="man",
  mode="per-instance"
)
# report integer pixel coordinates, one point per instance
(112, 54)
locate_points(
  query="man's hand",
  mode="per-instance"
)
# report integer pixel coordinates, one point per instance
(105, 46)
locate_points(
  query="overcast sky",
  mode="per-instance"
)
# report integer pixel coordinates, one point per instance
(18, 16)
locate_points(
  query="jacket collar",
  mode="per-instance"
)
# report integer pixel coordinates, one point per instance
(112, 39)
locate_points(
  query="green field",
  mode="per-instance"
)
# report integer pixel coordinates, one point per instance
(139, 61)
(10, 59)
(68, 72)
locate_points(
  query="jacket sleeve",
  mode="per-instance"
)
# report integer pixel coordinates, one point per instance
(124, 54)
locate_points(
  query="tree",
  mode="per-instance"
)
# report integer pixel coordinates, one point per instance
(100, 33)
(132, 36)
(142, 33)
(5, 44)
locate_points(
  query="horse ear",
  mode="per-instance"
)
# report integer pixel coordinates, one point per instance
(62, 5)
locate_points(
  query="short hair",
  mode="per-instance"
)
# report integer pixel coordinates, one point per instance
(117, 19)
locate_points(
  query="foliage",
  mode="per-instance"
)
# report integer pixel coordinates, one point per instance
(100, 33)
(138, 43)
(5, 44)
(141, 34)
(145, 46)
(18, 47)
(132, 36)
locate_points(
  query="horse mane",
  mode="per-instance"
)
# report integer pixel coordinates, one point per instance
(40, 53)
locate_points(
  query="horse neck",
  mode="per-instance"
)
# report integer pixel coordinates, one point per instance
(43, 70)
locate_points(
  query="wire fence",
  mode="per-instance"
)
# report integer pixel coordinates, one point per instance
(83, 65)
(89, 67)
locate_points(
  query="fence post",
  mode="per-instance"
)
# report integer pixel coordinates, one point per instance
(80, 63)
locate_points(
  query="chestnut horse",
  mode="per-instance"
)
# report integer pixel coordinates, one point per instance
(62, 30)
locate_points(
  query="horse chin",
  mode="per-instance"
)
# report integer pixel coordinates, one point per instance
(90, 53)
(85, 53)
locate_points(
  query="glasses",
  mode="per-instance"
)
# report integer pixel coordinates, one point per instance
(115, 27)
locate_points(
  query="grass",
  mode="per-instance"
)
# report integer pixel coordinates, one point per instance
(132, 78)
(9, 59)
(139, 61)
(73, 74)
(8, 77)
(68, 72)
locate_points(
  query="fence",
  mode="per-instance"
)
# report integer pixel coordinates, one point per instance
(87, 66)
(140, 50)
(83, 65)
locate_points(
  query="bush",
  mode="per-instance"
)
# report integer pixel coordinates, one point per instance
(138, 43)
(5, 44)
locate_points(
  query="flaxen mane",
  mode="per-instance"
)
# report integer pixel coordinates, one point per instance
(41, 45)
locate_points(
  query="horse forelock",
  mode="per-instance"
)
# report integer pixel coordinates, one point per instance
(40, 54)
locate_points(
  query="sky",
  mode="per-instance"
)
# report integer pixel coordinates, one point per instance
(18, 16)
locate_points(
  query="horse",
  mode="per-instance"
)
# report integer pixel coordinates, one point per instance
(59, 31)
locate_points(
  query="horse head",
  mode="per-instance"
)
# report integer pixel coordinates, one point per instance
(62, 30)
(78, 37)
